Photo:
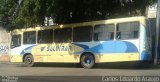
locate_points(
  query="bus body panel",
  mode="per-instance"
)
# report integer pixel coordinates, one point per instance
(104, 51)
(111, 51)
(119, 57)
(17, 53)
(145, 44)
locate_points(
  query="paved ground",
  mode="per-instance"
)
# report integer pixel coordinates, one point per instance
(64, 72)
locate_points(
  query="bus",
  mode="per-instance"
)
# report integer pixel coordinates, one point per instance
(86, 43)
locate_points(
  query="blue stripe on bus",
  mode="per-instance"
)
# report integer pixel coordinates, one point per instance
(111, 47)
(105, 47)
(85, 47)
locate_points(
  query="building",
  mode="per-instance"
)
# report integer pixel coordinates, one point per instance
(4, 45)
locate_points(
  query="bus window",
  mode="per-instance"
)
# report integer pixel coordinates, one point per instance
(45, 36)
(63, 35)
(16, 41)
(82, 34)
(128, 30)
(104, 32)
(29, 37)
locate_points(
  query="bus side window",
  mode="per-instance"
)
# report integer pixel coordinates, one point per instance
(96, 36)
(135, 33)
(82, 34)
(29, 37)
(129, 30)
(104, 32)
(118, 35)
(63, 35)
(45, 36)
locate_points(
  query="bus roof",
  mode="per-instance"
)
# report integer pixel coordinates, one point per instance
(92, 23)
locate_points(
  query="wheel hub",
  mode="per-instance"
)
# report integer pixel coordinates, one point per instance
(88, 61)
(29, 60)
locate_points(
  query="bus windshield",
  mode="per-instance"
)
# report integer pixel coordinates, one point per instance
(16, 41)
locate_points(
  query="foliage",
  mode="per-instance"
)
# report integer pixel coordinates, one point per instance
(33, 12)
(7, 9)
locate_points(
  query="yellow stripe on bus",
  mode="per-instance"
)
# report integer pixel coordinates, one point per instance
(117, 57)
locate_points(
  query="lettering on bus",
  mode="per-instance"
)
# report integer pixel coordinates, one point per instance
(57, 48)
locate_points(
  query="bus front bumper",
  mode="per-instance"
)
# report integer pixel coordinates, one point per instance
(16, 58)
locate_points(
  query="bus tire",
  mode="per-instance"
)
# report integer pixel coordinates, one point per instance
(29, 61)
(87, 61)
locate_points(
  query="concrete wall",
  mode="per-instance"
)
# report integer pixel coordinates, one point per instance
(4, 45)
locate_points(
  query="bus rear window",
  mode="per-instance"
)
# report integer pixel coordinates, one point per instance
(16, 41)
(129, 30)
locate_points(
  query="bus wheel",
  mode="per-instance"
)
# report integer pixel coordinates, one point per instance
(28, 60)
(87, 60)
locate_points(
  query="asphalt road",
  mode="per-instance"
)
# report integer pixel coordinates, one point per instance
(70, 73)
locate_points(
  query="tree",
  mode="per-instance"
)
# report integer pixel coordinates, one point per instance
(33, 12)
(7, 10)
(88, 10)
